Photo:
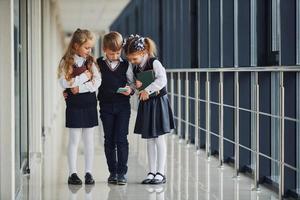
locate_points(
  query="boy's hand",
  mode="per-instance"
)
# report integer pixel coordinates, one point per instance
(128, 92)
(144, 95)
(65, 94)
(75, 90)
(138, 84)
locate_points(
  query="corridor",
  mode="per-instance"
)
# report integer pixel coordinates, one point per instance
(233, 83)
(190, 176)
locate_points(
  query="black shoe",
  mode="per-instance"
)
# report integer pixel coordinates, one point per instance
(112, 179)
(122, 180)
(74, 179)
(89, 179)
(155, 181)
(148, 180)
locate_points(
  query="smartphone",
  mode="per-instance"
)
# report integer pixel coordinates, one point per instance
(122, 89)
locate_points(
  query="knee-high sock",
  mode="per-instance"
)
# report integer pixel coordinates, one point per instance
(152, 155)
(74, 138)
(88, 140)
(161, 153)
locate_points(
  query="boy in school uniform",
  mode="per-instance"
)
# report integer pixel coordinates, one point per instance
(114, 106)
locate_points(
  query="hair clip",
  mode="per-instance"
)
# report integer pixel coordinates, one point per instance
(139, 44)
(124, 42)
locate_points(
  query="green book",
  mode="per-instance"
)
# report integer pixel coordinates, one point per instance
(146, 77)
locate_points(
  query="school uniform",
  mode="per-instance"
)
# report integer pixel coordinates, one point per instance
(154, 117)
(81, 116)
(115, 112)
(81, 108)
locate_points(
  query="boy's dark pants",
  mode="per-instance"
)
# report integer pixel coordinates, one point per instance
(115, 120)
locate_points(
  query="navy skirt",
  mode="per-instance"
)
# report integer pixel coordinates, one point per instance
(81, 111)
(154, 117)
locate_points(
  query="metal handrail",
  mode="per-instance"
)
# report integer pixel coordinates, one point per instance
(182, 80)
(235, 107)
(239, 69)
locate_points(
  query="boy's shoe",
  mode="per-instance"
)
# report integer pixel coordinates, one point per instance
(74, 179)
(89, 179)
(112, 179)
(122, 180)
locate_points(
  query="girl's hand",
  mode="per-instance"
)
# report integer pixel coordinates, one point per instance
(144, 95)
(128, 92)
(138, 84)
(65, 94)
(88, 74)
(75, 90)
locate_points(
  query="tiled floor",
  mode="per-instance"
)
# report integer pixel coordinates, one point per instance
(190, 176)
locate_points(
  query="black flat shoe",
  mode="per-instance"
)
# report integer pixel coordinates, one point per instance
(148, 180)
(155, 181)
(74, 179)
(89, 179)
(112, 179)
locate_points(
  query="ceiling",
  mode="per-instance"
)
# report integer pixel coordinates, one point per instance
(95, 15)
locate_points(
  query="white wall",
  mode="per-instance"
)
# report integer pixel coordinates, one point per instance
(52, 93)
(7, 125)
(45, 103)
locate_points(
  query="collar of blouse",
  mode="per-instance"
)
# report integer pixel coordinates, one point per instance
(79, 61)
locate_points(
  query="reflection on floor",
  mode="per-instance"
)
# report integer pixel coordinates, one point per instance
(190, 176)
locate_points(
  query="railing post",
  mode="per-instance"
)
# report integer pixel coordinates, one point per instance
(236, 125)
(172, 90)
(298, 128)
(256, 171)
(207, 87)
(179, 106)
(197, 138)
(221, 120)
(281, 139)
(186, 137)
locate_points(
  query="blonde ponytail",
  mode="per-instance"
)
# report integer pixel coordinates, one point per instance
(150, 46)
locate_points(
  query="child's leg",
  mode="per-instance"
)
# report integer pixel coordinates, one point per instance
(88, 140)
(161, 154)
(121, 131)
(107, 118)
(152, 155)
(74, 138)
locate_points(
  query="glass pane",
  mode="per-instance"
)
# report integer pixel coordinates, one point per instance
(23, 84)
(17, 93)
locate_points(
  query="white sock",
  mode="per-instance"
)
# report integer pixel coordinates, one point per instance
(88, 140)
(152, 152)
(161, 155)
(74, 138)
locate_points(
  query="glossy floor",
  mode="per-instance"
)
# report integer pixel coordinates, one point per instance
(190, 176)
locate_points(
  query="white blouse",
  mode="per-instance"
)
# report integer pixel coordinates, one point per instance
(82, 81)
(160, 76)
